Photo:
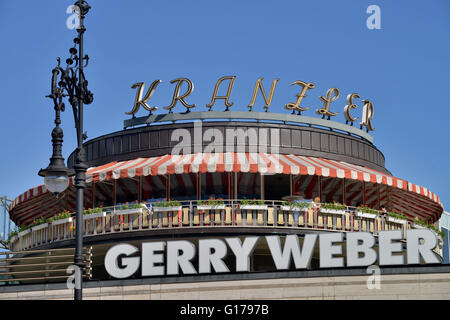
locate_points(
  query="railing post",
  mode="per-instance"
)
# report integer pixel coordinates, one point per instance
(275, 216)
(191, 214)
(130, 223)
(233, 223)
(111, 220)
(315, 218)
(351, 218)
(151, 217)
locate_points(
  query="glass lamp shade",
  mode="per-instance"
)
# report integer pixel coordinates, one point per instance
(56, 184)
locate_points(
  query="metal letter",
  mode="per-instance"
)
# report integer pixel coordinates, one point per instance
(175, 259)
(415, 249)
(176, 97)
(296, 106)
(367, 116)
(242, 251)
(216, 88)
(206, 258)
(360, 242)
(130, 264)
(139, 101)
(327, 250)
(386, 247)
(302, 259)
(350, 105)
(325, 111)
(149, 258)
(258, 85)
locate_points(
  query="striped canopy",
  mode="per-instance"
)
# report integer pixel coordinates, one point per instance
(404, 194)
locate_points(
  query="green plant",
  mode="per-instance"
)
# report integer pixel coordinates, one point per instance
(15, 232)
(397, 215)
(210, 202)
(420, 222)
(251, 202)
(128, 206)
(39, 221)
(295, 204)
(63, 215)
(367, 210)
(429, 226)
(333, 206)
(165, 204)
(93, 210)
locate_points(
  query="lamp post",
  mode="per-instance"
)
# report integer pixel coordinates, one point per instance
(72, 84)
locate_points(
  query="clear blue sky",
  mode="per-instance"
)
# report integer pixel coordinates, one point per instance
(403, 68)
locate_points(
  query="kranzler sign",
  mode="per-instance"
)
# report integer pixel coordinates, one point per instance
(175, 257)
(141, 99)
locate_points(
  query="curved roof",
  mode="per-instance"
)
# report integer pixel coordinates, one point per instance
(407, 197)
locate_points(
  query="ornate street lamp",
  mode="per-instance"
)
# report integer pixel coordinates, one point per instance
(73, 84)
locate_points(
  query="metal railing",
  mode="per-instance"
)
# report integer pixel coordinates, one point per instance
(191, 214)
(36, 266)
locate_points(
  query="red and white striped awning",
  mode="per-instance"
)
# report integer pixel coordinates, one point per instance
(243, 162)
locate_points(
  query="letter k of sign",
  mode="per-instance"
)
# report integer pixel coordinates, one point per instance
(139, 101)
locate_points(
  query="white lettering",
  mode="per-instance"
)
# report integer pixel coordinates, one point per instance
(130, 264)
(150, 258)
(208, 258)
(282, 258)
(327, 250)
(242, 251)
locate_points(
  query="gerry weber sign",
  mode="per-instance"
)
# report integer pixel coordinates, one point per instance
(175, 257)
(332, 95)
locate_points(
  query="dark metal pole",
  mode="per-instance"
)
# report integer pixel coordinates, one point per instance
(80, 168)
(72, 84)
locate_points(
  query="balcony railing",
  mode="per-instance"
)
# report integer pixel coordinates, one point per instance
(192, 214)
(36, 266)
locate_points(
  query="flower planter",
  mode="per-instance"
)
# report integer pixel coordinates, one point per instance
(94, 215)
(62, 221)
(366, 215)
(396, 220)
(39, 227)
(289, 208)
(208, 207)
(333, 211)
(24, 233)
(254, 207)
(165, 209)
(128, 211)
(418, 226)
(13, 239)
